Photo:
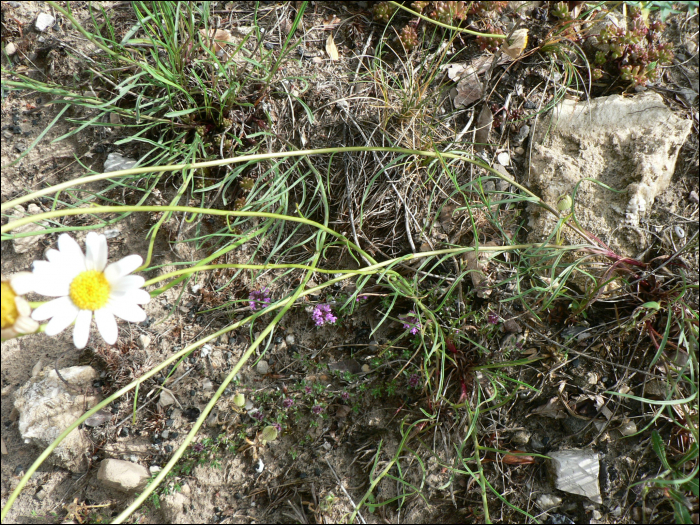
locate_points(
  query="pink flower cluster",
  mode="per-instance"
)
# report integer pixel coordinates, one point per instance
(259, 299)
(410, 320)
(322, 314)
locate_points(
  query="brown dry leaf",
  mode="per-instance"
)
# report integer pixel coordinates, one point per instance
(554, 409)
(476, 262)
(483, 125)
(517, 43)
(509, 459)
(331, 49)
(468, 91)
(217, 39)
(476, 67)
(330, 22)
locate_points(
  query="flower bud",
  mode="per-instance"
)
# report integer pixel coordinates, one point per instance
(564, 203)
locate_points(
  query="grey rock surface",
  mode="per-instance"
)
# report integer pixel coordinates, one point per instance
(628, 143)
(47, 407)
(123, 476)
(576, 472)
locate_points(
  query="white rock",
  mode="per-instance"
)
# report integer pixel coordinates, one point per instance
(144, 341)
(629, 143)
(47, 407)
(116, 161)
(207, 385)
(10, 49)
(548, 501)
(44, 21)
(576, 472)
(123, 476)
(259, 466)
(290, 339)
(503, 158)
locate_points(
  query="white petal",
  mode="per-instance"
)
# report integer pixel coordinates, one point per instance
(107, 325)
(52, 255)
(26, 325)
(52, 308)
(22, 282)
(69, 248)
(95, 251)
(64, 316)
(49, 280)
(122, 267)
(138, 296)
(127, 310)
(81, 332)
(128, 282)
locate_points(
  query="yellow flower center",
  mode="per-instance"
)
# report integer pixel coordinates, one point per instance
(90, 290)
(9, 308)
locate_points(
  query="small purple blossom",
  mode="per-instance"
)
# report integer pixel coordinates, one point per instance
(287, 402)
(259, 299)
(317, 409)
(492, 318)
(307, 389)
(198, 447)
(410, 320)
(258, 415)
(345, 396)
(413, 380)
(277, 426)
(361, 298)
(322, 314)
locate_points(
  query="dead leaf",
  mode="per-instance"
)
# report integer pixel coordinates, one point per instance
(554, 409)
(475, 67)
(330, 22)
(517, 43)
(510, 459)
(331, 49)
(483, 125)
(217, 39)
(468, 91)
(476, 262)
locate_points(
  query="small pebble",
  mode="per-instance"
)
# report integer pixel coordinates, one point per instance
(366, 368)
(262, 367)
(44, 21)
(694, 197)
(207, 385)
(10, 49)
(259, 466)
(503, 158)
(206, 350)
(290, 339)
(318, 472)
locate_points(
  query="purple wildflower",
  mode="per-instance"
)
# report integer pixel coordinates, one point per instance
(413, 380)
(259, 298)
(198, 447)
(287, 402)
(345, 396)
(322, 314)
(492, 318)
(307, 389)
(277, 426)
(317, 409)
(258, 415)
(410, 320)
(361, 298)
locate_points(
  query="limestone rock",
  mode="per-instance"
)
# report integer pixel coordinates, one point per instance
(627, 143)
(576, 472)
(47, 407)
(123, 476)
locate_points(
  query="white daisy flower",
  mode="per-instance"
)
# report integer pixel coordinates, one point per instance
(16, 311)
(85, 284)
